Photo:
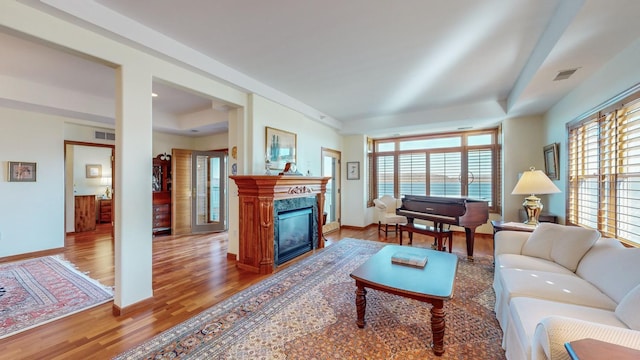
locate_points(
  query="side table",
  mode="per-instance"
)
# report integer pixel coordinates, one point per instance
(591, 349)
(499, 225)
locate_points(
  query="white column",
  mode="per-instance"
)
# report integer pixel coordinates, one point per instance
(133, 234)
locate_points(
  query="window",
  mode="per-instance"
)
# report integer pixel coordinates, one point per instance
(455, 164)
(604, 171)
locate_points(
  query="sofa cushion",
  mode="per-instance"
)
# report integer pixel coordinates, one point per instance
(627, 310)
(565, 245)
(513, 261)
(553, 286)
(611, 267)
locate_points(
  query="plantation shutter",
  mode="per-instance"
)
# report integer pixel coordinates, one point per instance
(384, 178)
(628, 181)
(444, 174)
(583, 174)
(480, 177)
(412, 173)
(604, 173)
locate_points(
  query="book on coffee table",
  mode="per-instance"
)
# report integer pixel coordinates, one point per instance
(409, 259)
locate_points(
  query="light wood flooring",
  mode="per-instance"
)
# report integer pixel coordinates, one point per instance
(190, 274)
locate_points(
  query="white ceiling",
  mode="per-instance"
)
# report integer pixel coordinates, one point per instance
(389, 67)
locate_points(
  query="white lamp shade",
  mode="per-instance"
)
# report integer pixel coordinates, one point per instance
(105, 181)
(534, 182)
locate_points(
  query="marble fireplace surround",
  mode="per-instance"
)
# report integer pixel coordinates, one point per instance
(289, 206)
(257, 196)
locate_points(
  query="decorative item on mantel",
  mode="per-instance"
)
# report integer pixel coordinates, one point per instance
(530, 183)
(290, 169)
(267, 165)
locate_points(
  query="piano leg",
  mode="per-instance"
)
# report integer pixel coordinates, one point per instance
(470, 235)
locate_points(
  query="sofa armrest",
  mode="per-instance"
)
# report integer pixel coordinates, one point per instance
(510, 242)
(553, 332)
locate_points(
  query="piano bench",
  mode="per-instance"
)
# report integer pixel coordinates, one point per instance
(437, 233)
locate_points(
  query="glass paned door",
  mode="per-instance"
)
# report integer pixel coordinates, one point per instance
(331, 168)
(209, 207)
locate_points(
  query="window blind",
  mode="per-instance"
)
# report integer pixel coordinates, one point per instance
(604, 172)
(384, 175)
(444, 174)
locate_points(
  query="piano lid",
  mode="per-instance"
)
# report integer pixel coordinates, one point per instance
(442, 199)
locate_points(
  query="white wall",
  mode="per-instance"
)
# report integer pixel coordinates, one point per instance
(31, 213)
(163, 143)
(212, 142)
(620, 74)
(522, 147)
(311, 135)
(354, 197)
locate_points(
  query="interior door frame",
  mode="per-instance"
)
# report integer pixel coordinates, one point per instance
(113, 177)
(336, 179)
(222, 225)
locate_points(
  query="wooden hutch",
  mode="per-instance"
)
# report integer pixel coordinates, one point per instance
(161, 186)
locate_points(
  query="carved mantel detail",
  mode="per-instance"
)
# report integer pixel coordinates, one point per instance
(300, 190)
(256, 196)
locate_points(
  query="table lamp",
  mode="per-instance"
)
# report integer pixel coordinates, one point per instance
(530, 183)
(106, 182)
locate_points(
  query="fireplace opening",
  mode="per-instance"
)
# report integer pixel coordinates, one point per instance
(294, 234)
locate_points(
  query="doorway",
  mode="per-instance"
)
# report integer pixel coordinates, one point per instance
(209, 184)
(89, 173)
(331, 168)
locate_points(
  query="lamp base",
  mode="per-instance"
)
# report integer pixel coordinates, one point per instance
(533, 208)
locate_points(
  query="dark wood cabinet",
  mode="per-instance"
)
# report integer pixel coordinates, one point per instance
(104, 210)
(85, 213)
(161, 186)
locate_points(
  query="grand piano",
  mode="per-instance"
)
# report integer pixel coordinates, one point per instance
(466, 212)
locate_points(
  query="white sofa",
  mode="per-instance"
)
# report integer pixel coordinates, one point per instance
(560, 284)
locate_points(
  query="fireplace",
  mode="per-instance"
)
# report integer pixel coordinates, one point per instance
(261, 199)
(295, 228)
(295, 234)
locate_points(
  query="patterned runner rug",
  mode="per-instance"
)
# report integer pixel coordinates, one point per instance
(307, 311)
(37, 291)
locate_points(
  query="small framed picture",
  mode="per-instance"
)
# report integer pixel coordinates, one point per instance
(353, 170)
(22, 171)
(551, 161)
(94, 170)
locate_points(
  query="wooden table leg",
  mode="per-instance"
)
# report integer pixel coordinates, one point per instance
(361, 304)
(437, 327)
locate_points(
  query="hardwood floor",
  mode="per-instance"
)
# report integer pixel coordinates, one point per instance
(190, 274)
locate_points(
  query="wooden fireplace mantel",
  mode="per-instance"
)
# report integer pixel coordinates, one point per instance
(257, 194)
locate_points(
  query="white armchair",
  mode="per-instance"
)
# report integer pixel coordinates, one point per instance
(386, 207)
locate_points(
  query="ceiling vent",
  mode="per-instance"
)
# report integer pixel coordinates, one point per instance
(103, 135)
(565, 74)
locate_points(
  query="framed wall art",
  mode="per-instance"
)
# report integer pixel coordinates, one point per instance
(20, 171)
(94, 171)
(280, 148)
(551, 161)
(353, 170)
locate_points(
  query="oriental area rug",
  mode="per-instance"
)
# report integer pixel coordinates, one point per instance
(37, 291)
(307, 311)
